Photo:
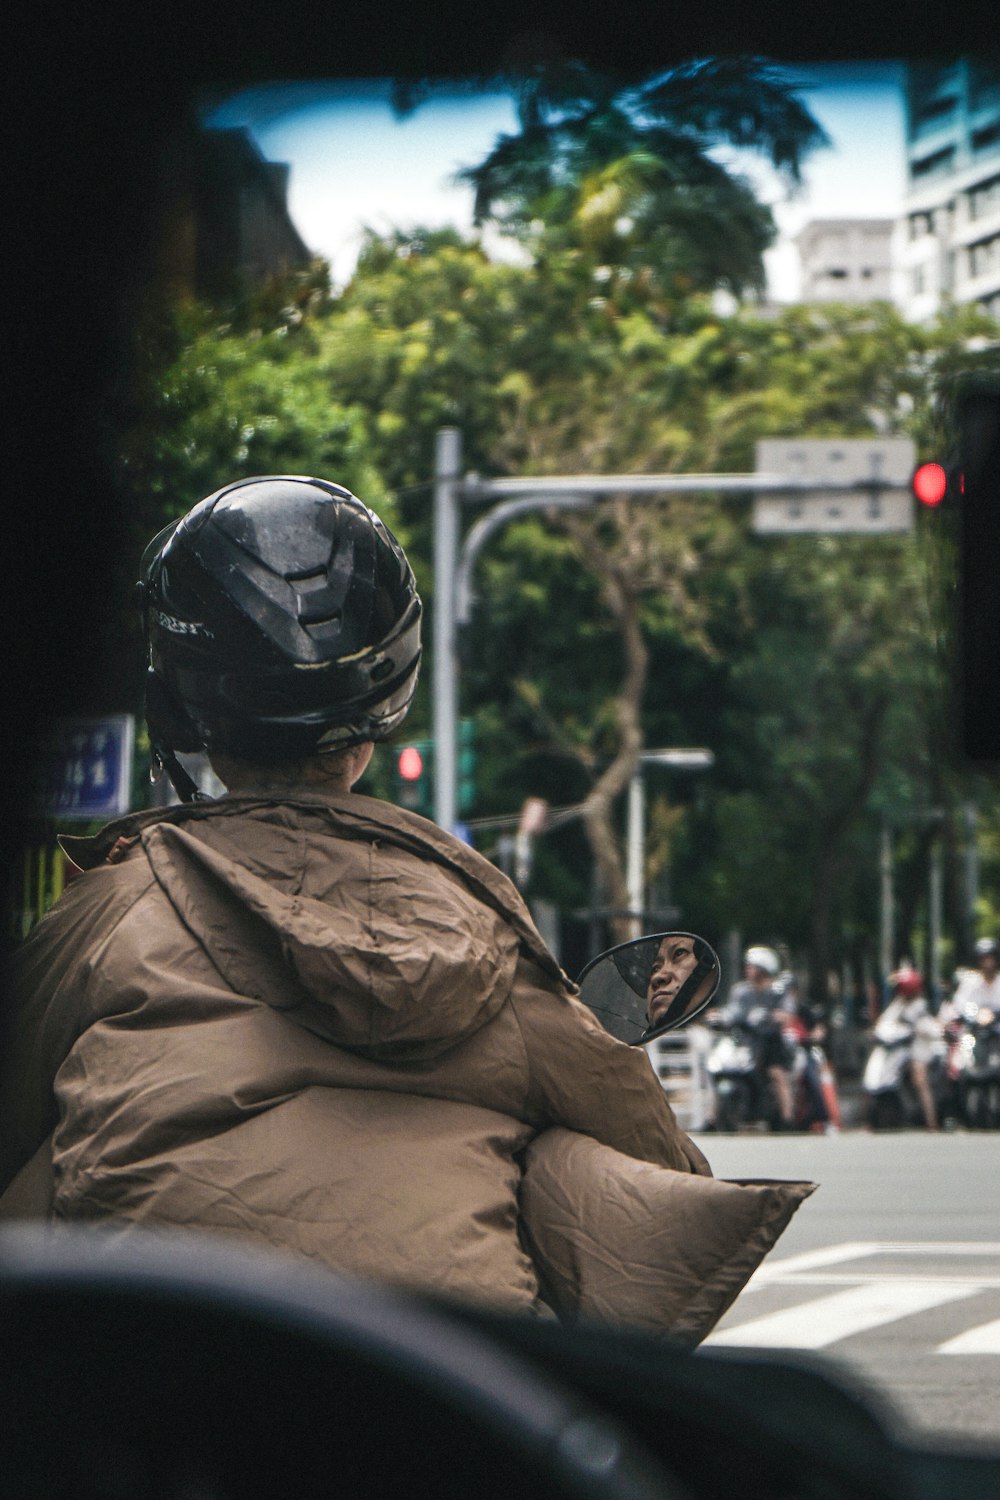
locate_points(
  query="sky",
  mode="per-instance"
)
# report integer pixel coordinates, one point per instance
(354, 164)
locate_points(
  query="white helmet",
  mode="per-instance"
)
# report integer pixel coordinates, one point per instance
(763, 958)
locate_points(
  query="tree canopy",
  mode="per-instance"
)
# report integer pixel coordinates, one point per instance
(631, 171)
(810, 665)
(814, 667)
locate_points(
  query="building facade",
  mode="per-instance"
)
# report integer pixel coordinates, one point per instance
(846, 260)
(224, 215)
(949, 247)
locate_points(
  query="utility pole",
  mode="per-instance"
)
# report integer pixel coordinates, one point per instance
(447, 463)
(971, 880)
(935, 904)
(886, 902)
(635, 843)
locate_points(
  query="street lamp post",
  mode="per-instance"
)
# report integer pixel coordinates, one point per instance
(635, 864)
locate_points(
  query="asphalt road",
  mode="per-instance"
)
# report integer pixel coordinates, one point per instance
(889, 1272)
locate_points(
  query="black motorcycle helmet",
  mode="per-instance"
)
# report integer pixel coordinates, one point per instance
(282, 620)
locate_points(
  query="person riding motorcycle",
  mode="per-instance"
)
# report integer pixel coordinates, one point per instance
(972, 1022)
(980, 987)
(295, 1013)
(909, 1014)
(756, 1004)
(820, 1107)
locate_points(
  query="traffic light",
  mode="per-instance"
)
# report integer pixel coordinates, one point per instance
(412, 776)
(413, 772)
(965, 481)
(932, 483)
(974, 418)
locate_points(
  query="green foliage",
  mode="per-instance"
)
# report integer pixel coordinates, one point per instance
(626, 171)
(813, 667)
(237, 401)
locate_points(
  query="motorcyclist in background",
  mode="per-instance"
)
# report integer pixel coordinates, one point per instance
(908, 1006)
(809, 1028)
(755, 1002)
(980, 986)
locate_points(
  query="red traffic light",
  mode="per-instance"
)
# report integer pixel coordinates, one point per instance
(410, 763)
(930, 484)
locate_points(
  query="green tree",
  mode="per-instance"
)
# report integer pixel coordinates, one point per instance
(824, 649)
(639, 623)
(628, 171)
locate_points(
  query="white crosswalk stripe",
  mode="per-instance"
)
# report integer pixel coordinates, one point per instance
(814, 1325)
(878, 1283)
(982, 1340)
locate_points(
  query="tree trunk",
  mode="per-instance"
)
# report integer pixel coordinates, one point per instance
(599, 806)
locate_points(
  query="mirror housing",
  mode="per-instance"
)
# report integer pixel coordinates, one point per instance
(643, 988)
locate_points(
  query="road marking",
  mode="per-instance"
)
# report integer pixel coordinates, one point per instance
(856, 1278)
(982, 1340)
(792, 1268)
(811, 1260)
(816, 1324)
(868, 1299)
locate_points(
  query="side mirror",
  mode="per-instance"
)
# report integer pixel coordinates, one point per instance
(641, 989)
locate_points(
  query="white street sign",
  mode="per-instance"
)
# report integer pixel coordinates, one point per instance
(847, 462)
(891, 510)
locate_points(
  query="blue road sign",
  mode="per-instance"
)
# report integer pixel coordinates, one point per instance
(88, 768)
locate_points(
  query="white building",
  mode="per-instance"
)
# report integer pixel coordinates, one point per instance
(846, 260)
(949, 244)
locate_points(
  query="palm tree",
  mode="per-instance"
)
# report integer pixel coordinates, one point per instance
(627, 171)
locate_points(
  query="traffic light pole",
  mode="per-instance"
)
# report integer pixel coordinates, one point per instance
(454, 560)
(447, 463)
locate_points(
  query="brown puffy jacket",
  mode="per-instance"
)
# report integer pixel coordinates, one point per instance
(319, 1022)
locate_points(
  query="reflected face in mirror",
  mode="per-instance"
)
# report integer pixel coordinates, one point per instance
(641, 989)
(674, 962)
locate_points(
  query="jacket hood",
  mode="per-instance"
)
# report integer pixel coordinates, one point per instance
(392, 939)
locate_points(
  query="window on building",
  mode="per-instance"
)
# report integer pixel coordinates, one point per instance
(984, 198)
(935, 111)
(987, 136)
(938, 161)
(950, 269)
(919, 280)
(984, 83)
(984, 255)
(837, 273)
